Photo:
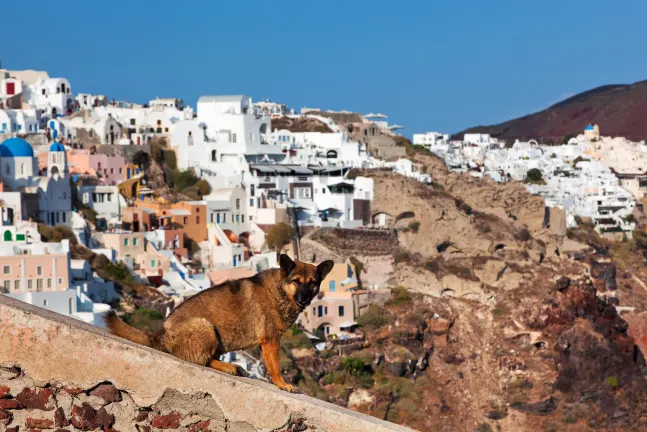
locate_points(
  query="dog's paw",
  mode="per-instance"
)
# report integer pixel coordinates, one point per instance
(287, 387)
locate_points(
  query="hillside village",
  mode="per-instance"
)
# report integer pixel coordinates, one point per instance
(166, 201)
(469, 266)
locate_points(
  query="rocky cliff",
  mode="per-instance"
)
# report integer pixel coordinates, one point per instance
(503, 320)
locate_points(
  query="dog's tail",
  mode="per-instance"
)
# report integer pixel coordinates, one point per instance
(117, 327)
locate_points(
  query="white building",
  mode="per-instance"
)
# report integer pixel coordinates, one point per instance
(106, 129)
(227, 208)
(429, 139)
(19, 173)
(53, 96)
(227, 134)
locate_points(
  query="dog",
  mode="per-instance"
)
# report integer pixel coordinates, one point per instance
(235, 315)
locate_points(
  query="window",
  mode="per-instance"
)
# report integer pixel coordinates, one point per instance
(319, 311)
(326, 310)
(159, 122)
(186, 220)
(242, 218)
(7, 169)
(197, 220)
(252, 189)
(45, 302)
(327, 330)
(237, 218)
(60, 281)
(30, 284)
(237, 203)
(39, 270)
(7, 286)
(233, 138)
(251, 202)
(314, 310)
(332, 285)
(4, 126)
(43, 91)
(39, 285)
(16, 285)
(22, 169)
(152, 263)
(211, 218)
(134, 242)
(132, 122)
(49, 283)
(224, 218)
(6, 270)
(218, 217)
(165, 129)
(125, 242)
(341, 311)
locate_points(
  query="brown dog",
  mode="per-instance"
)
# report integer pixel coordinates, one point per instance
(235, 315)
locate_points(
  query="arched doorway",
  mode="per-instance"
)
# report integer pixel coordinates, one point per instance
(8, 236)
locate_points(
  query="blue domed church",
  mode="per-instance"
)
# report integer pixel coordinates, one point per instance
(44, 197)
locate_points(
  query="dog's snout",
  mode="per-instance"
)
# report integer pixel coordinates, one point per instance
(304, 294)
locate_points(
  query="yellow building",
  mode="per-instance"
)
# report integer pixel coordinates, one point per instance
(341, 278)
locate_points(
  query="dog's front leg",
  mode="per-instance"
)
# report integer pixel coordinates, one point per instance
(270, 352)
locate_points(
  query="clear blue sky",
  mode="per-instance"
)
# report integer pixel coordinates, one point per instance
(428, 64)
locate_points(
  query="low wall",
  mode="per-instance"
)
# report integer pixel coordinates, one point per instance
(60, 373)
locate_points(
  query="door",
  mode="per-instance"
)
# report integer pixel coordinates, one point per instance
(11, 89)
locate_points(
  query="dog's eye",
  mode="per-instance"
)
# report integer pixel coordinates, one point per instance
(296, 281)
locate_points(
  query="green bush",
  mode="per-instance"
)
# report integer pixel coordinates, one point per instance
(534, 176)
(414, 226)
(203, 187)
(141, 159)
(169, 159)
(399, 295)
(279, 235)
(612, 381)
(291, 341)
(183, 180)
(373, 318)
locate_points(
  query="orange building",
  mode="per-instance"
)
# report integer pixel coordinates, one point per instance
(189, 216)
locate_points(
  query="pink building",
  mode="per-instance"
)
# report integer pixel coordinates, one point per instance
(36, 267)
(80, 161)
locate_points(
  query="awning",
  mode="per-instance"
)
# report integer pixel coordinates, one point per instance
(179, 212)
(347, 324)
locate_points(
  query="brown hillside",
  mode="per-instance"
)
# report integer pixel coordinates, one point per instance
(617, 109)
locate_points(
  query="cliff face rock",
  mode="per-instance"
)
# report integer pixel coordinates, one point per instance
(552, 356)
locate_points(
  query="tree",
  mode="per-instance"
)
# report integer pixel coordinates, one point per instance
(142, 159)
(278, 236)
(567, 138)
(359, 267)
(534, 176)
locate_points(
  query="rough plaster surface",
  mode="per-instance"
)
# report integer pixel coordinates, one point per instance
(55, 353)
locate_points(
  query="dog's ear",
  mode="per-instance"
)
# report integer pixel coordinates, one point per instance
(324, 268)
(286, 264)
